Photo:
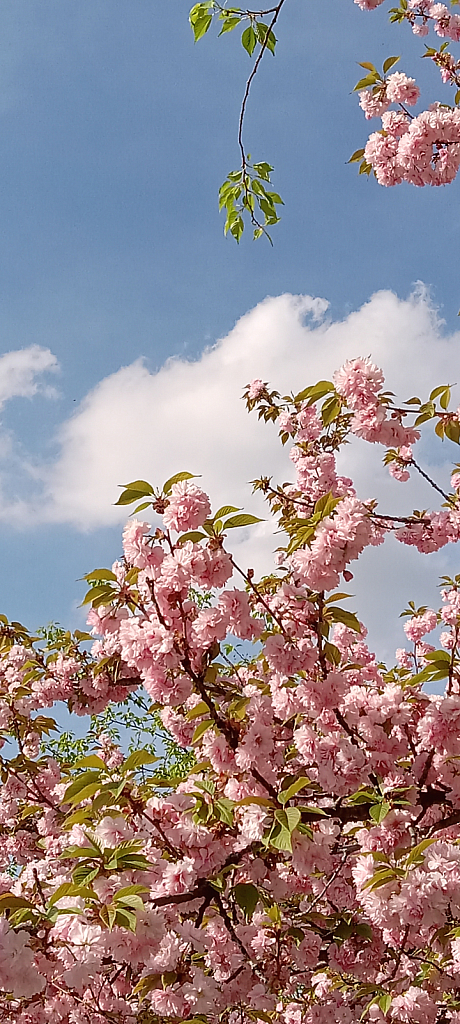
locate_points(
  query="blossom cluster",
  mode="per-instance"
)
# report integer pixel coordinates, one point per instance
(307, 867)
(422, 149)
(420, 13)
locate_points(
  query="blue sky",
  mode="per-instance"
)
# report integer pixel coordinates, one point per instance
(116, 132)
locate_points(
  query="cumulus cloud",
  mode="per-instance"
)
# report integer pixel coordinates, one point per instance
(189, 415)
(21, 372)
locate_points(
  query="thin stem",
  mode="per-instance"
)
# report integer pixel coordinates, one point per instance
(231, 930)
(260, 599)
(419, 469)
(254, 71)
(332, 879)
(250, 80)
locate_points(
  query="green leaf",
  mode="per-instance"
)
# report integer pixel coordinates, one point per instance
(200, 730)
(286, 794)
(417, 851)
(140, 508)
(280, 838)
(200, 26)
(247, 897)
(237, 228)
(80, 783)
(422, 418)
(364, 795)
(91, 761)
(261, 801)
(356, 156)
(249, 40)
(452, 431)
(100, 574)
(125, 918)
(381, 877)
(84, 794)
(10, 902)
(389, 63)
(330, 409)
(176, 479)
(69, 889)
(128, 496)
(76, 818)
(138, 758)
(438, 391)
(318, 811)
(384, 1002)
(315, 392)
(263, 170)
(229, 24)
(85, 873)
(200, 709)
(223, 809)
(371, 79)
(241, 520)
(288, 818)
(427, 411)
(194, 535)
(438, 656)
(369, 67)
(129, 890)
(379, 812)
(332, 653)
(132, 900)
(146, 985)
(262, 30)
(101, 592)
(347, 618)
(142, 486)
(445, 399)
(237, 709)
(226, 510)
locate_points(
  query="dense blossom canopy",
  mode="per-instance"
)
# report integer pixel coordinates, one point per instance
(305, 867)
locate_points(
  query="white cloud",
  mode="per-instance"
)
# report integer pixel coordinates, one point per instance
(189, 415)
(21, 372)
(21, 376)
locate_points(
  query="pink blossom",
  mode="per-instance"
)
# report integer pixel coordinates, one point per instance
(359, 381)
(17, 971)
(368, 5)
(401, 89)
(415, 1006)
(188, 507)
(256, 389)
(419, 625)
(423, 151)
(374, 104)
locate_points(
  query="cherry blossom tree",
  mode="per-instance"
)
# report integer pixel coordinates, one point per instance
(299, 861)
(422, 149)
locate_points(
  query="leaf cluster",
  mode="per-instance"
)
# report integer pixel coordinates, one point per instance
(246, 191)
